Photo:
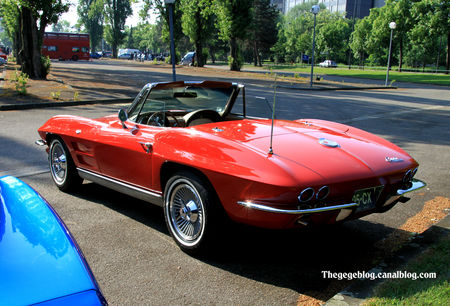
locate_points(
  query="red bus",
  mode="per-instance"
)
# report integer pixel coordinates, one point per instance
(66, 46)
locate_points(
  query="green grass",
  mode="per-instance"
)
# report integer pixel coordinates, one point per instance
(378, 74)
(414, 77)
(421, 291)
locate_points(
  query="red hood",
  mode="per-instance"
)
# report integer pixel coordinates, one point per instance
(358, 153)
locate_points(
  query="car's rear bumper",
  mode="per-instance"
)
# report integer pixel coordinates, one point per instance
(267, 216)
(296, 211)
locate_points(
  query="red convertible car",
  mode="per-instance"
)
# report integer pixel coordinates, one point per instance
(183, 146)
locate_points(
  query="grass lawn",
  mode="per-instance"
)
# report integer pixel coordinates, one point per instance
(425, 291)
(415, 77)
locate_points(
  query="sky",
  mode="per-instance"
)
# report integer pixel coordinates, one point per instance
(72, 16)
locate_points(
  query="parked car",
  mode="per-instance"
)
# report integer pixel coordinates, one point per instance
(2, 61)
(124, 56)
(95, 55)
(328, 64)
(179, 145)
(40, 262)
(106, 54)
(188, 59)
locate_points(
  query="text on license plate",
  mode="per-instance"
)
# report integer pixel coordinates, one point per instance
(367, 198)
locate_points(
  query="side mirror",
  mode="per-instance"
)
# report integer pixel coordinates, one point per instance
(123, 116)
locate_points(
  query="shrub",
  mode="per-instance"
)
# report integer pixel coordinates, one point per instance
(21, 80)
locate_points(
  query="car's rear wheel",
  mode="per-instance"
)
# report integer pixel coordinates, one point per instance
(62, 167)
(191, 211)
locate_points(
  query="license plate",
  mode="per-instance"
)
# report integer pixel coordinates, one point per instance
(367, 198)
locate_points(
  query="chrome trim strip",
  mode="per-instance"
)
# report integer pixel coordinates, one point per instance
(416, 184)
(40, 142)
(140, 193)
(295, 212)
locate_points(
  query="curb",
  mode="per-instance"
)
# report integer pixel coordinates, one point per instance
(362, 289)
(23, 106)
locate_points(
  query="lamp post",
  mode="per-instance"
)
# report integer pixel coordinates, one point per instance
(392, 26)
(169, 5)
(315, 10)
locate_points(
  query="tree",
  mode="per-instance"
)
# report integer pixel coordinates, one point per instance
(233, 20)
(164, 16)
(264, 32)
(401, 14)
(148, 37)
(295, 33)
(131, 39)
(117, 12)
(359, 38)
(440, 23)
(333, 32)
(378, 40)
(197, 23)
(9, 11)
(61, 26)
(431, 19)
(91, 14)
(32, 17)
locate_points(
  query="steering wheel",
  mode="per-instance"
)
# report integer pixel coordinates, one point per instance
(160, 119)
(201, 116)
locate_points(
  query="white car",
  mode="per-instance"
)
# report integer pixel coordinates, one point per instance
(124, 56)
(188, 59)
(328, 63)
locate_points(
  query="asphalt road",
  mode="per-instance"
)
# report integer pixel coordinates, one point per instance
(135, 260)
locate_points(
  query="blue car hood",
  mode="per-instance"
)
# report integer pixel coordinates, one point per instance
(39, 260)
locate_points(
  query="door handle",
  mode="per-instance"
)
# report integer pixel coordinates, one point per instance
(148, 145)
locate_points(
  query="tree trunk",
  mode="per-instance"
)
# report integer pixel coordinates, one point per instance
(25, 52)
(448, 50)
(199, 54)
(400, 57)
(29, 54)
(258, 56)
(255, 61)
(114, 49)
(38, 67)
(234, 53)
(211, 53)
(18, 41)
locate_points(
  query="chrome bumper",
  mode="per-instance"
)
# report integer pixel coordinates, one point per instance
(295, 212)
(416, 185)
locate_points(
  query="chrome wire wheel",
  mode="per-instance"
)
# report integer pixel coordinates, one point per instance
(185, 212)
(58, 163)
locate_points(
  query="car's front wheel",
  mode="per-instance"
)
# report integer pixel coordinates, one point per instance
(62, 167)
(191, 211)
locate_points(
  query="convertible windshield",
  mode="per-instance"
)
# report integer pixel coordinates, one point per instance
(182, 99)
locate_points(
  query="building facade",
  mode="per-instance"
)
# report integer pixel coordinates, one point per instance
(351, 8)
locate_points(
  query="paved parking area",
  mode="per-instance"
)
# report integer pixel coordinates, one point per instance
(135, 260)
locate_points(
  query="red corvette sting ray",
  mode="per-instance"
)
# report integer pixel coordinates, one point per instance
(179, 145)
